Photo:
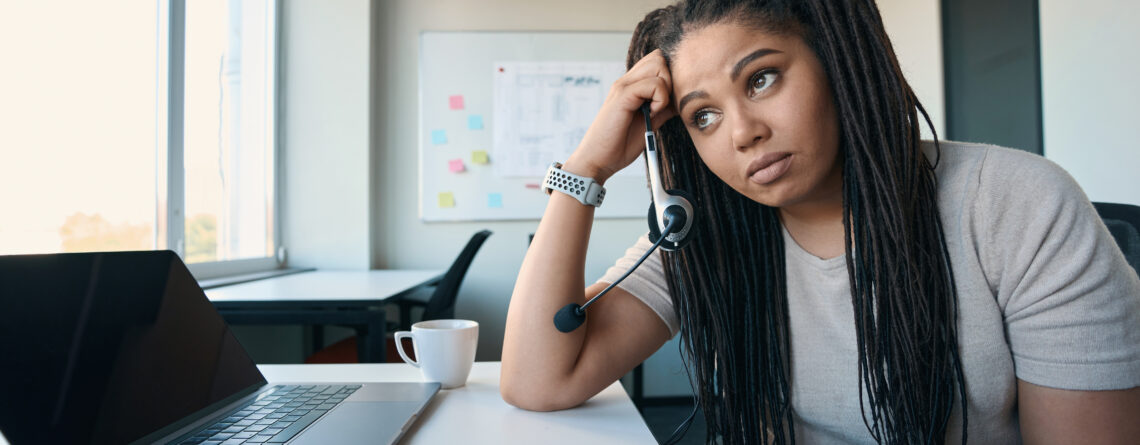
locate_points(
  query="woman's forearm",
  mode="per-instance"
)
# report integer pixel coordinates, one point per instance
(537, 358)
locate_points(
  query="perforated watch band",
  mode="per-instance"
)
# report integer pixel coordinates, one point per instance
(585, 190)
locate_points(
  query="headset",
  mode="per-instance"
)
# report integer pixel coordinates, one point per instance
(670, 225)
(671, 219)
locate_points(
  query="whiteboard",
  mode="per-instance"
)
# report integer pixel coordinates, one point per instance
(496, 108)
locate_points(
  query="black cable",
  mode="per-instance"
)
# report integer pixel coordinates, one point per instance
(666, 232)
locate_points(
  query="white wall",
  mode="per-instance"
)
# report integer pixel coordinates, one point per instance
(351, 206)
(325, 153)
(325, 129)
(1089, 72)
(915, 29)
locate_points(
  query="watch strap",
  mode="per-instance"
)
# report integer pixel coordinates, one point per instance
(586, 190)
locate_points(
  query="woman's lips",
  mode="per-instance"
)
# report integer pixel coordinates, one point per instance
(768, 168)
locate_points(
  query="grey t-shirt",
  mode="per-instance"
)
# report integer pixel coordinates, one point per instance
(1044, 294)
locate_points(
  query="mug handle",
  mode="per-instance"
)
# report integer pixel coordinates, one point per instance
(400, 346)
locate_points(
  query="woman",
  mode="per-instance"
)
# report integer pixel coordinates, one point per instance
(847, 282)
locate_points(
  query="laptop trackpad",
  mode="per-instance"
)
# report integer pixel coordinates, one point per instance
(361, 422)
(394, 392)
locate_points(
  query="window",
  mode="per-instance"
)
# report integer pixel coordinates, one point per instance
(140, 125)
(228, 143)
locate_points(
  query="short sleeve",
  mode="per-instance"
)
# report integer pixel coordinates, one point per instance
(647, 282)
(1070, 301)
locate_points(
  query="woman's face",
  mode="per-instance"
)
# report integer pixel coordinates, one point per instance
(761, 113)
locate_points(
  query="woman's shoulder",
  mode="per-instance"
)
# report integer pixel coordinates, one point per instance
(980, 171)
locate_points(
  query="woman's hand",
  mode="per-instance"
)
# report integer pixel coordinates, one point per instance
(617, 136)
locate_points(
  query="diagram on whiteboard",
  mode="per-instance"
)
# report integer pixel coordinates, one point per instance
(496, 108)
(549, 106)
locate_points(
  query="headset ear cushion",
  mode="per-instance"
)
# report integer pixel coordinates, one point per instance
(655, 232)
(683, 195)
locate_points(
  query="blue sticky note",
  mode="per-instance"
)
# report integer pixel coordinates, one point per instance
(438, 137)
(474, 122)
(495, 200)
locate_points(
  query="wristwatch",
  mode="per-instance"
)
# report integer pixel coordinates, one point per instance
(585, 190)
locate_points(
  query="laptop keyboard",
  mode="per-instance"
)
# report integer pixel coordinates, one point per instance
(274, 418)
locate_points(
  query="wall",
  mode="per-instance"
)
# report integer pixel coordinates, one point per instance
(915, 29)
(325, 129)
(324, 135)
(1089, 94)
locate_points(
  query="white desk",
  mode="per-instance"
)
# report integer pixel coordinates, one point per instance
(325, 287)
(476, 414)
(355, 298)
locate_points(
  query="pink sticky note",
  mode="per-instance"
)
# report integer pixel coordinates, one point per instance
(456, 166)
(457, 102)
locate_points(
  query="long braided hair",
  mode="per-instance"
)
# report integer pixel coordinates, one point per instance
(729, 287)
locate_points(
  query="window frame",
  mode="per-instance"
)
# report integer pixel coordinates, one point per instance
(171, 231)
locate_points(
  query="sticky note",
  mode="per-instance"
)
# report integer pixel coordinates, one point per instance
(456, 166)
(495, 200)
(479, 157)
(438, 137)
(456, 102)
(446, 200)
(474, 122)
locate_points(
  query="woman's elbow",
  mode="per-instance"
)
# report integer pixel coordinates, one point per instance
(531, 400)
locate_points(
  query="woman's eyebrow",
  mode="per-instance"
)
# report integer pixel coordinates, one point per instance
(750, 57)
(689, 97)
(736, 69)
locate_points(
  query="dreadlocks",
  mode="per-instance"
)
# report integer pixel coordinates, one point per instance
(734, 314)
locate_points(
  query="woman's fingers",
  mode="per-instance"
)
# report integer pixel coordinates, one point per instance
(655, 90)
(653, 64)
(612, 141)
(650, 67)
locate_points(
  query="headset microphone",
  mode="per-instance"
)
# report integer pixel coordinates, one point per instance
(669, 228)
(572, 315)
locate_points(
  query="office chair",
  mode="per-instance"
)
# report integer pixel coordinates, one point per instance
(1123, 221)
(440, 305)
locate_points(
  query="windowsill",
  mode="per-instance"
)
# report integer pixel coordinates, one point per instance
(245, 278)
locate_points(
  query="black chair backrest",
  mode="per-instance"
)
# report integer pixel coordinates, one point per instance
(1123, 221)
(441, 305)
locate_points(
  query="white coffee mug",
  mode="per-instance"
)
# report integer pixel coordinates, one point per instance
(445, 350)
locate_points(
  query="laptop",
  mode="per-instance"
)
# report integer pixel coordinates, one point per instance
(124, 347)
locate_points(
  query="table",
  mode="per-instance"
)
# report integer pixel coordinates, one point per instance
(476, 414)
(355, 298)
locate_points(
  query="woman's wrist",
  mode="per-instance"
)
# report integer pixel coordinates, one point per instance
(587, 169)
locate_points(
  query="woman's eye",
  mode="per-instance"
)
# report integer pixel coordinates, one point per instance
(703, 119)
(761, 81)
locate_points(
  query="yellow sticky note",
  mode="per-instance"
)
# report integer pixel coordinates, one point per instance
(446, 200)
(479, 157)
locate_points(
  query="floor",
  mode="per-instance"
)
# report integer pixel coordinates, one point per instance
(665, 419)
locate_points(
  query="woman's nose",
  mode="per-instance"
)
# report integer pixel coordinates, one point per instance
(749, 127)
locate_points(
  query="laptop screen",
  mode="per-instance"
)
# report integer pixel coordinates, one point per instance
(109, 347)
